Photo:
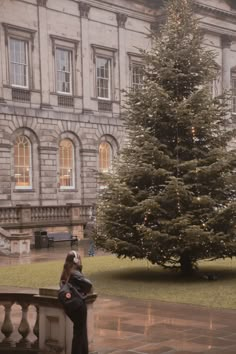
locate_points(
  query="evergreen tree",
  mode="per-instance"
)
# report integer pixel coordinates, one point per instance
(171, 196)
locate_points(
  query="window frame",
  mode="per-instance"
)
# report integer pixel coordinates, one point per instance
(109, 60)
(28, 36)
(72, 46)
(133, 64)
(30, 186)
(72, 186)
(70, 52)
(26, 48)
(134, 59)
(109, 54)
(110, 156)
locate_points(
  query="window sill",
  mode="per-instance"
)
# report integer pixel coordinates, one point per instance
(68, 190)
(24, 190)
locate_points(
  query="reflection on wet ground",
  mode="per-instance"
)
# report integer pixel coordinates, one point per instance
(48, 254)
(132, 326)
(128, 326)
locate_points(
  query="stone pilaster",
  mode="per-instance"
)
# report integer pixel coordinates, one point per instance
(44, 54)
(85, 54)
(226, 65)
(121, 21)
(89, 176)
(1, 81)
(48, 174)
(5, 174)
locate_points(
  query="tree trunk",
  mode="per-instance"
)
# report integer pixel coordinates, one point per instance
(186, 264)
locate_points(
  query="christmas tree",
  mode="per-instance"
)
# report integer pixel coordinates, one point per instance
(170, 198)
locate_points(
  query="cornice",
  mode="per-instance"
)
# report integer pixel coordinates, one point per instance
(42, 3)
(103, 5)
(215, 12)
(223, 32)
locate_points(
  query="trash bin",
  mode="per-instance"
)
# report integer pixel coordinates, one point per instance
(44, 239)
(40, 239)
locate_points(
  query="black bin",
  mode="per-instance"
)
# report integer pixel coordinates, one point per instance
(41, 239)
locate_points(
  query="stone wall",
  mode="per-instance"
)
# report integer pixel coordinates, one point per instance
(114, 28)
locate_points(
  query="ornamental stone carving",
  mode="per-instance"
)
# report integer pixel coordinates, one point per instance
(226, 41)
(121, 19)
(84, 9)
(42, 3)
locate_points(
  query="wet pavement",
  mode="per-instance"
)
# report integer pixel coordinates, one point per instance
(57, 252)
(128, 326)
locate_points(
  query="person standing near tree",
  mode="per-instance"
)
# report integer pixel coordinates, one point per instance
(72, 273)
(89, 233)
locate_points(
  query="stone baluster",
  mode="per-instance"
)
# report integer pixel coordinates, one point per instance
(7, 217)
(33, 214)
(36, 327)
(12, 216)
(7, 326)
(38, 214)
(24, 327)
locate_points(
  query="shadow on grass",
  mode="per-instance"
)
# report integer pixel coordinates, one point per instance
(166, 276)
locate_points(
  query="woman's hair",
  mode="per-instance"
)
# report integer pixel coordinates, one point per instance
(70, 265)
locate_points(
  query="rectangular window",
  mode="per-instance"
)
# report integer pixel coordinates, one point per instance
(103, 78)
(19, 63)
(64, 71)
(234, 94)
(136, 76)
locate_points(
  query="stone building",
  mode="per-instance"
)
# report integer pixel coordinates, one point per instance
(63, 66)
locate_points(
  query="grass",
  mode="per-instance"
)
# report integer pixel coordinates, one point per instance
(136, 279)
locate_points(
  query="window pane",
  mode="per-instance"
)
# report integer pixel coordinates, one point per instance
(63, 70)
(66, 159)
(103, 77)
(22, 163)
(136, 76)
(18, 62)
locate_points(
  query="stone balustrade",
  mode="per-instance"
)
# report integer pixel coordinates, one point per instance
(42, 326)
(9, 215)
(25, 216)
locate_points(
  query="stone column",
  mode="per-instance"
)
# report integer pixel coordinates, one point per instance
(44, 53)
(85, 54)
(121, 20)
(226, 63)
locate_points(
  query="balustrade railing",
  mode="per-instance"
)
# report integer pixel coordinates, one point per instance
(9, 215)
(36, 323)
(50, 213)
(26, 215)
(19, 331)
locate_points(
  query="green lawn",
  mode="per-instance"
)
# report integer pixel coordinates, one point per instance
(136, 279)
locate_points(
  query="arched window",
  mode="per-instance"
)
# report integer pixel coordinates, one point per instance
(66, 160)
(22, 163)
(105, 156)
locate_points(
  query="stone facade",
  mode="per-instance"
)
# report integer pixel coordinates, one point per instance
(45, 116)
